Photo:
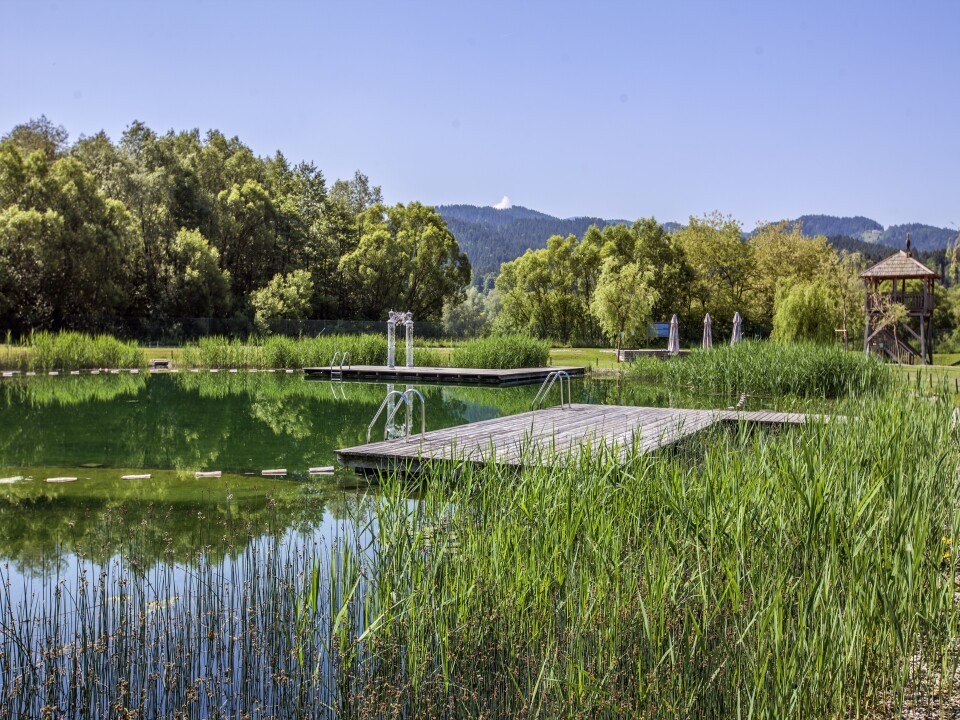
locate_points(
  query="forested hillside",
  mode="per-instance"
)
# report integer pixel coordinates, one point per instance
(491, 237)
(156, 228)
(922, 237)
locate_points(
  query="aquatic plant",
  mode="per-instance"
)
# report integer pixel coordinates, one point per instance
(278, 352)
(801, 369)
(748, 574)
(42, 351)
(501, 352)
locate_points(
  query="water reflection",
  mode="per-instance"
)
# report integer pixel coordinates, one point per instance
(170, 426)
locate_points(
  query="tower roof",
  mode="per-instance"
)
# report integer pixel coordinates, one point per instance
(900, 267)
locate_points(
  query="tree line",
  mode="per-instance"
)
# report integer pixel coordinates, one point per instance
(610, 283)
(98, 235)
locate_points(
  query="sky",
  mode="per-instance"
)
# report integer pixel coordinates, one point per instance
(761, 110)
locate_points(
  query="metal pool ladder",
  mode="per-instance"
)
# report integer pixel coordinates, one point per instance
(548, 382)
(406, 401)
(336, 370)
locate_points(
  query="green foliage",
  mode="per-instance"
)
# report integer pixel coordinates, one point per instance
(552, 292)
(801, 369)
(407, 258)
(163, 227)
(195, 284)
(501, 351)
(622, 301)
(470, 318)
(285, 296)
(42, 351)
(806, 311)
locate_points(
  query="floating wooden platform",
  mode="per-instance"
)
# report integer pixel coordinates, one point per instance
(551, 435)
(478, 376)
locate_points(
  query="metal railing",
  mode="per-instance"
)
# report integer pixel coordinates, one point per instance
(336, 370)
(406, 401)
(548, 383)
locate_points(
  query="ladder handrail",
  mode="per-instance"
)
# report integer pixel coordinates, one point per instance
(345, 360)
(548, 382)
(423, 410)
(333, 362)
(390, 394)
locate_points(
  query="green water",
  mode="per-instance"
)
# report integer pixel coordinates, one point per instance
(99, 428)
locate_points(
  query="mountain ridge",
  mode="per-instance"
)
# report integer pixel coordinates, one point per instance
(491, 236)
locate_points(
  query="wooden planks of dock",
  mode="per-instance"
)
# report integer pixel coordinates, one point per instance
(556, 434)
(478, 376)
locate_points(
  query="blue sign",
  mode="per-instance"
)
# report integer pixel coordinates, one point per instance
(659, 330)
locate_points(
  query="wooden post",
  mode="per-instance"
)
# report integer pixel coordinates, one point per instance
(923, 336)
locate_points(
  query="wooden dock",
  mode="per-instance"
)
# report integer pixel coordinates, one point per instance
(556, 434)
(473, 376)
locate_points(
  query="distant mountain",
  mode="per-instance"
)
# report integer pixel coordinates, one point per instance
(491, 237)
(830, 226)
(922, 237)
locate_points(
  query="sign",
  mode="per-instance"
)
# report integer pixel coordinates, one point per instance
(658, 330)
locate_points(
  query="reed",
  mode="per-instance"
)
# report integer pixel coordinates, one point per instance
(501, 352)
(279, 352)
(804, 574)
(42, 351)
(804, 370)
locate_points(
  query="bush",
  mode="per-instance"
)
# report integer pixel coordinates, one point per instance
(501, 352)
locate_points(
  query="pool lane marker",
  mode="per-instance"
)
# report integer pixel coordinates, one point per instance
(135, 477)
(61, 479)
(279, 472)
(209, 474)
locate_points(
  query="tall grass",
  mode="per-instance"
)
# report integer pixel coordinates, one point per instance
(804, 369)
(501, 352)
(283, 352)
(808, 574)
(42, 351)
(209, 640)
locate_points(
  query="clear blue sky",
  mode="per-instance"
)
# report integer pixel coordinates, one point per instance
(762, 110)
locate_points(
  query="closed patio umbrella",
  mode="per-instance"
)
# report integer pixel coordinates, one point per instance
(737, 329)
(673, 345)
(707, 332)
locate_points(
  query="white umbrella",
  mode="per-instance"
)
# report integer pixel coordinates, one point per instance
(707, 332)
(673, 345)
(737, 329)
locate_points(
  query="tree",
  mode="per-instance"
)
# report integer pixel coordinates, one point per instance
(783, 256)
(39, 134)
(65, 248)
(623, 300)
(195, 285)
(468, 318)
(722, 263)
(406, 258)
(285, 296)
(805, 311)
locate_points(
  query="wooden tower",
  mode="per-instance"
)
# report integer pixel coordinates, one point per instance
(899, 280)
